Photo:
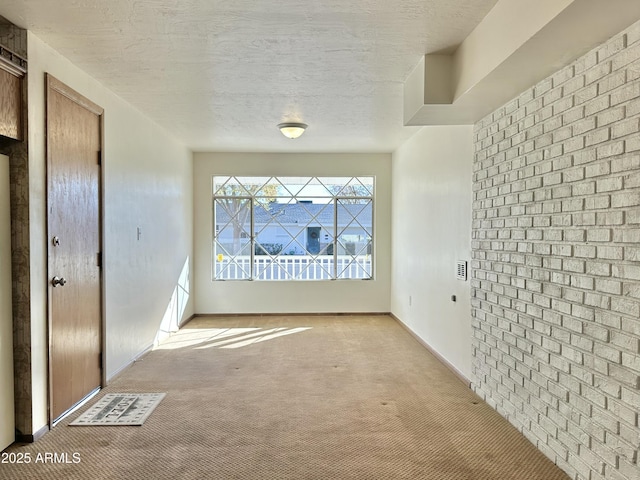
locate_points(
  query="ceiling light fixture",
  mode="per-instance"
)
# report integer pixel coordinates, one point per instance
(292, 130)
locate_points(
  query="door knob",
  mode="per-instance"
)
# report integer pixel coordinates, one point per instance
(55, 281)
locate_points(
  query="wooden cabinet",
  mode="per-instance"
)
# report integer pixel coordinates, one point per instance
(11, 101)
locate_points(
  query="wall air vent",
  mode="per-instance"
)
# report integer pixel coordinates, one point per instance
(461, 270)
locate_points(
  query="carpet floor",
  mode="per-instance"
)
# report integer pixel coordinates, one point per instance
(335, 397)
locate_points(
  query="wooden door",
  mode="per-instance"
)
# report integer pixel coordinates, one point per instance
(7, 423)
(74, 141)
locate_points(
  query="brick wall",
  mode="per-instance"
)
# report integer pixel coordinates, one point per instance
(556, 262)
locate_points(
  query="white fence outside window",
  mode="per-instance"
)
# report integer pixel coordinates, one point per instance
(294, 267)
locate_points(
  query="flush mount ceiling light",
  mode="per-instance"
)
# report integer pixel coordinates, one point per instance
(292, 130)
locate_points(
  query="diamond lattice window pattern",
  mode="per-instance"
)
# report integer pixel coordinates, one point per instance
(292, 228)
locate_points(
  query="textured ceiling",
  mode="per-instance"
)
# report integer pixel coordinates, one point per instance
(222, 74)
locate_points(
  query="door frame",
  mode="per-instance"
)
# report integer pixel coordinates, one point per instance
(53, 84)
(7, 376)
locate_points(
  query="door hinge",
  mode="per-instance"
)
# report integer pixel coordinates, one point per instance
(100, 361)
(99, 260)
(99, 157)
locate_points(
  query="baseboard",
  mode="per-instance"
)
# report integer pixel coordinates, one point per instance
(186, 320)
(461, 376)
(286, 314)
(119, 372)
(33, 437)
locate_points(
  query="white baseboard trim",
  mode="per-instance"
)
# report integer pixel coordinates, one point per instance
(461, 376)
(285, 314)
(133, 360)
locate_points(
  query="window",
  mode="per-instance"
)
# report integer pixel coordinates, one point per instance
(292, 228)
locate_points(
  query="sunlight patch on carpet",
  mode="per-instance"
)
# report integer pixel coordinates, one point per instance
(120, 409)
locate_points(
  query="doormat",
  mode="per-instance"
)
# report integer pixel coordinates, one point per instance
(120, 409)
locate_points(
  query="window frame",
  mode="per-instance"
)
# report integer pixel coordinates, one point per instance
(333, 199)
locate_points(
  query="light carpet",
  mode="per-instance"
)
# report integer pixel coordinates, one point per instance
(336, 397)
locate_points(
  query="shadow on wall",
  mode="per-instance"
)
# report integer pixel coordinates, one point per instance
(177, 305)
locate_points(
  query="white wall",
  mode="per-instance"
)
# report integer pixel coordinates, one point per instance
(431, 228)
(7, 433)
(291, 296)
(147, 184)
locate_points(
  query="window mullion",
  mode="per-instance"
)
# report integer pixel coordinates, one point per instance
(335, 238)
(372, 244)
(252, 246)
